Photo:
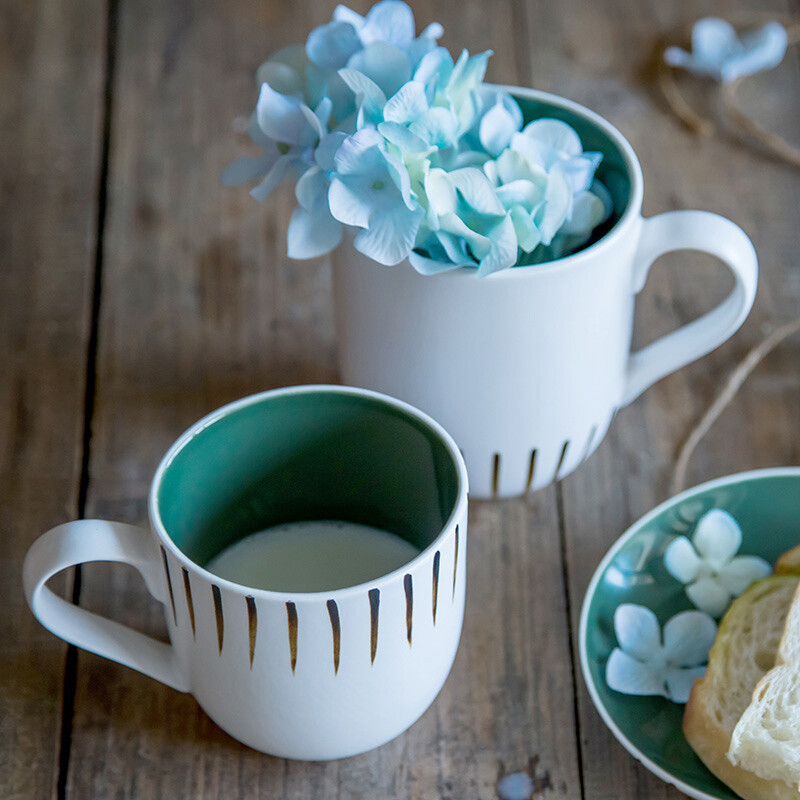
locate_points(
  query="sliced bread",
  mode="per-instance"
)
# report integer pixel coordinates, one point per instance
(766, 739)
(743, 652)
(789, 562)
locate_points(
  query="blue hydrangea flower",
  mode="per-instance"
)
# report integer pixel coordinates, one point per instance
(719, 53)
(382, 130)
(649, 662)
(370, 189)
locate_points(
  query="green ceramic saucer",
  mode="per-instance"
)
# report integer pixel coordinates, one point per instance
(766, 504)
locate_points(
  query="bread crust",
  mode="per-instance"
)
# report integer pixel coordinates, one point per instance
(711, 744)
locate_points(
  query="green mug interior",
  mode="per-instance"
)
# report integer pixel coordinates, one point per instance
(291, 456)
(613, 172)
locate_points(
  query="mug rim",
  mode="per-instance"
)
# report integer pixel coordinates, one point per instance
(630, 215)
(164, 538)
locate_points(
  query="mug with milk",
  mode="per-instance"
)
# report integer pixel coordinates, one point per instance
(308, 545)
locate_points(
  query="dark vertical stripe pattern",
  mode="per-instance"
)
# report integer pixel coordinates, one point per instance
(409, 589)
(495, 474)
(435, 599)
(252, 625)
(374, 604)
(531, 470)
(169, 586)
(561, 459)
(333, 613)
(291, 619)
(187, 588)
(455, 563)
(218, 614)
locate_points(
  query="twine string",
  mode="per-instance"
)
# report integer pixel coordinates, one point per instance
(726, 394)
(730, 107)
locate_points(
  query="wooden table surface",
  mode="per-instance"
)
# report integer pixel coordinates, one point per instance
(137, 294)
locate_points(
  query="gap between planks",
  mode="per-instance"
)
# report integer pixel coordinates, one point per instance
(71, 660)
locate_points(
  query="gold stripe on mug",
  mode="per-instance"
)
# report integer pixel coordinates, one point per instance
(252, 625)
(218, 614)
(374, 604)
(409, 590)
(291, 619)
(436, 558)
(333, 613)
(187, 588)
(455, 563)
(561, 459)
(169, 586)
(531, 470)
(495, 474)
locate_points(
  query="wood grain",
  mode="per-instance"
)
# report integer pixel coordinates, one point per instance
(631, 472)
(51, 63)
(200, 306)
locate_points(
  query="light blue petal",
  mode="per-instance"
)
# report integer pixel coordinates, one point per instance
(477, 190)
(629, 676)
(467, 75)
(323, 113)
(503, 253)
(390, 236)
(433, 31)
(520, 192)
(282, 169)
(440, 192)
(402, 138)
(762, 49)
(479, 244)
(554, 136)
(244, 170)
(348, 206)
(389, 21)
(496, 129)
(587, 213)
(528, 235)
(557, 206)
(350, 157)
(637, 630)
(312, 234)
(680, 681)
(383, 63)
(401, 179)
(709, 595)
(311, 190)
(513, 165)
(713, 40)
(600, 190)
(429, 266)
(682, 561)
(344, 14)
(517, 786)
(330, 46)
(435, 68)
(740, 573)
(580, 170)
(285, 70)
(688, 637)
(282, 118)
(717, 537)
(455, 248)
(437, 126)
(329, 145)
(369, 96)
(406, 105)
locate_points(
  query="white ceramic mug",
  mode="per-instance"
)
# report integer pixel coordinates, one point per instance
(300, 675)
(527, 367)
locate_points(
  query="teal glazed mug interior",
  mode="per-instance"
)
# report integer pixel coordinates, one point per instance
(766, 505)
(299, 674)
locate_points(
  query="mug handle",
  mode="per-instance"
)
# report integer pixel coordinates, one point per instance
(96, 540)
(708, 233)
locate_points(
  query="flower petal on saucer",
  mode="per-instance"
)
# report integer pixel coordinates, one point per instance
(681, 560)
(637, 630)
(688, 637)
(627, 675)
(717, 537)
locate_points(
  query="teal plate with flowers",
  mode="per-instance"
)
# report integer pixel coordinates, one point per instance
(766, 506)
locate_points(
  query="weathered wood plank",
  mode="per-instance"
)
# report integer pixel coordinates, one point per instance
(201, 306)
(600, 53)
(51, 61)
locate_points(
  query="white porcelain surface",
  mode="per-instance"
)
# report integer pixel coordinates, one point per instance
(532, 360)
(309, 676)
